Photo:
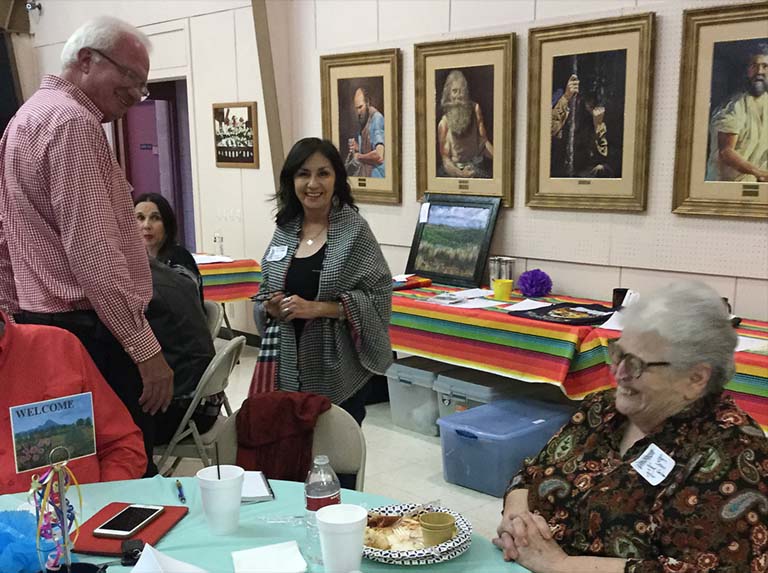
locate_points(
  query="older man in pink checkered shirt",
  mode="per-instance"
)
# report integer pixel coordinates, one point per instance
(70, 254)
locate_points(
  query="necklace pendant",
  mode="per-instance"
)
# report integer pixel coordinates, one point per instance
(309, 242)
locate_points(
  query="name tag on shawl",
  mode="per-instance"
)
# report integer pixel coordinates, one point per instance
(654, 465)
(277, 253)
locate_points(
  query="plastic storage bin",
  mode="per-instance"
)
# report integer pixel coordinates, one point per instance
(460, 389)
(483, 448)
(412, 400)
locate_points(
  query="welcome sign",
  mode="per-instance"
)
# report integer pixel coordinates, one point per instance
(40, 427)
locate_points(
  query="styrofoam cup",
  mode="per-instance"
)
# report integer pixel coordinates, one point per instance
(221, 497)
(341, 528)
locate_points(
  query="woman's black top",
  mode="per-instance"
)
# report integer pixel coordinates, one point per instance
(303, 279)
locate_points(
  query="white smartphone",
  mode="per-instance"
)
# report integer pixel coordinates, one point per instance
(129, 521)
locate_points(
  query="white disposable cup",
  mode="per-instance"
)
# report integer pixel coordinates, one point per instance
(341, 528)
(221, 497)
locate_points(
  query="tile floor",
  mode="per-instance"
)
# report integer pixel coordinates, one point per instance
(403, 465)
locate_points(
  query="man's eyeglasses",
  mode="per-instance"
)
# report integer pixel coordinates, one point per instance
(129, 74)
(634, 366)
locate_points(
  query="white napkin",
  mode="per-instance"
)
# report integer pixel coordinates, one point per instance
(201, 259)
(528, 304)
(616, 322)
(277, 558)
(755, 344)
(152, 561)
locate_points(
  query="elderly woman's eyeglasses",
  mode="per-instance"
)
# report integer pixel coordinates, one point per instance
(129, 74)
(634, 366)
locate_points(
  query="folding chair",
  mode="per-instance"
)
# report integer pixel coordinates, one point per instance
(338, 436)
(215, 316)
(187, 442)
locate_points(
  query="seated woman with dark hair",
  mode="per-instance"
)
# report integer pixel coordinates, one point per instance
(663, 474)
(158, 227)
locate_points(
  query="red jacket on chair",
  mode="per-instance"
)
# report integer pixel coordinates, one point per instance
(274, 433)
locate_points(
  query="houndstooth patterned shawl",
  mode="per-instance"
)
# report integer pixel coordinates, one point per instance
(336, 357)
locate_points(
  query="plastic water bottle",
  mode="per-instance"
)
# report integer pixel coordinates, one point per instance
(321, 488)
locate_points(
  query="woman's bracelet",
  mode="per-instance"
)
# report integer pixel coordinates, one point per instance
(341, 315)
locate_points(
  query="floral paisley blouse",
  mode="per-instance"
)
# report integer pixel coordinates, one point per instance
(708, 515)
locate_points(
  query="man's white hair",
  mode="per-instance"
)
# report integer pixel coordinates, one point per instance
(694, 322)
(101, 33)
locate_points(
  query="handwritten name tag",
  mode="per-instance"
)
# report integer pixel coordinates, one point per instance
(654, 465)
(277, 253)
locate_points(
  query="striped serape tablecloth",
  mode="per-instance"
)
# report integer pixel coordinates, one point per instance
(228, 282)
(571, 357)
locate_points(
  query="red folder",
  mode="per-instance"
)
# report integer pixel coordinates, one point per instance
(152, 533)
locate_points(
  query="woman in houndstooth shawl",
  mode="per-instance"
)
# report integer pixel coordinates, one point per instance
(326, 287)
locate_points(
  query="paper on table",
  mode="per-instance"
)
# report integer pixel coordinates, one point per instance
(459, 296)
(528, 304)
(479, 303)
(401, 278)
(753, 344)
(204, 259)
(153, 561)
(277, 558)
(614, 323)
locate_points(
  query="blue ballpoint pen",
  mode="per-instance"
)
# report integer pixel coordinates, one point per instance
(182, 499)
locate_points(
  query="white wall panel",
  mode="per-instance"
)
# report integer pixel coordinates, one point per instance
(62, 17)
(473, 14)
(169, 47)
(561, 8)
(304, 69)
(341, 23)
(215, 81)
(590, 281)
(643, 280)
(751, 299)
(49, 59)
(408, 19)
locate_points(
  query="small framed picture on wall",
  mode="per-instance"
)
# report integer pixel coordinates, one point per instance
(721, 166)
(361, 116)
(235, 132)
(589, 103)
(465, 98)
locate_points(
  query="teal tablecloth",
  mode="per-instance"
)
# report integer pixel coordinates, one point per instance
(190, 540)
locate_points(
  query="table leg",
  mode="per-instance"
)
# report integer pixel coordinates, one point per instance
(226, 318)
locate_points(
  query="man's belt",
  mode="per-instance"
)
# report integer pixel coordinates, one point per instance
(74, 318)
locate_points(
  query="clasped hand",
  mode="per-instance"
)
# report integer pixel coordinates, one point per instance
(289, 307)
(527, 539)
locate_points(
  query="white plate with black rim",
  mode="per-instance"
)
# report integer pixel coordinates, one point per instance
(436, 554)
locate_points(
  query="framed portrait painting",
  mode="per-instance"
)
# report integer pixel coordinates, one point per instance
(464, 127)
(361, 115)
(589, 103)
(235, 131)
(452, 238)
(721, 166)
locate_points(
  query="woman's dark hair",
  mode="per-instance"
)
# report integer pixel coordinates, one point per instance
(166, 214)
(288, 205)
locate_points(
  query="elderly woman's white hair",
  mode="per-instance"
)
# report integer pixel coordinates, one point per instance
(694, 322)
(101, 33)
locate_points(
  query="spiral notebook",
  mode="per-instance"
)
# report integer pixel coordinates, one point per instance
(256, 488)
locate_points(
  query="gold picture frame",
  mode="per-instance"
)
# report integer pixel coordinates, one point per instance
(591, 84)
(719, 46)
(236, 135)
(469, 84)
(368, 83)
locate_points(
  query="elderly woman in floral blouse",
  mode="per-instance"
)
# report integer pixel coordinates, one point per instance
(662, 474)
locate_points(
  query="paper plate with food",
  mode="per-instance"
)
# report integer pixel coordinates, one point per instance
(395, 535)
